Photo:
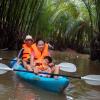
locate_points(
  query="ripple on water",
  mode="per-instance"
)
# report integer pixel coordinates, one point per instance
(3, 89)
(81, 92)
(90, 95)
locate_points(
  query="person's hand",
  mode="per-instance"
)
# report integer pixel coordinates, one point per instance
(51, 64)
(34, 64)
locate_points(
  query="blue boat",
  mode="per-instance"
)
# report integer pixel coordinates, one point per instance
(50, 84)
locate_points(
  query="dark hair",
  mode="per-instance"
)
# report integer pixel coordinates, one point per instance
(39, 40)
(49, 58)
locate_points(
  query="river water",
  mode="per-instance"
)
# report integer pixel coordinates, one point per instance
(13, 88)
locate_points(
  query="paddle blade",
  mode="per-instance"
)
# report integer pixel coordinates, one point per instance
(69, 67)
(92, 79)
(4, 68)
(3, 72)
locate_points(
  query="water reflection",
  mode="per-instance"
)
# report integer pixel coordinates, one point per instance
(12, 88)
(6, 87)
(25, 91)
(22, 93)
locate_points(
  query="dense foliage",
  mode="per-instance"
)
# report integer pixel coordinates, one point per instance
(17, 18)
(64, 23)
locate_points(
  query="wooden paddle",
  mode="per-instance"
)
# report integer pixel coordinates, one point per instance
(90, 79)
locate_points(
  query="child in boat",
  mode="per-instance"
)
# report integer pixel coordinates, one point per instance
(43, 65)
(46, 66)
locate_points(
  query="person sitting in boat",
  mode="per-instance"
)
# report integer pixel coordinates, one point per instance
(40, 50)
(43, 65)
(46, 65)
(26, 53)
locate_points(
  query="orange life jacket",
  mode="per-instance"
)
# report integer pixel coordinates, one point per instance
(26, 52)
(41, 66)
(38, 54)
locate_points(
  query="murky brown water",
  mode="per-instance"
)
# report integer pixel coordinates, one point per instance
(13, 88)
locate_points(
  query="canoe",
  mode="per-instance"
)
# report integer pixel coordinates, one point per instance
(49, 84)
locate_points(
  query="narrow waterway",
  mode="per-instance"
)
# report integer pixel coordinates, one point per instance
(13, 88)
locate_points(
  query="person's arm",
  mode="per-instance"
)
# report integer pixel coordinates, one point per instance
(32, 59)
(27, 66)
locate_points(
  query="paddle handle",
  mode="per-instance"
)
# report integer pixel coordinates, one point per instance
(78, 77)
(23, 70)
(48, 73)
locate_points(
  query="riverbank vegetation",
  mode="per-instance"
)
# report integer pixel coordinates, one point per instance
(65, 24)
